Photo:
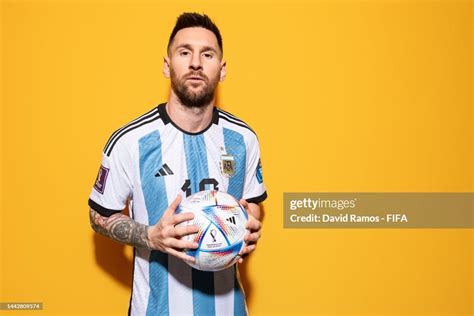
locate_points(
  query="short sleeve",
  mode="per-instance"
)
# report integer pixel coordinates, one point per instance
(112, 187)
(254, 188)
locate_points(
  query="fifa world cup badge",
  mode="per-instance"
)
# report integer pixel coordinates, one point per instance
(227, 165)
(101, 179)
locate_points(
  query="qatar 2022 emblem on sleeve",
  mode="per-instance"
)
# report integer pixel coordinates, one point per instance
(258, 172)
(101, 179)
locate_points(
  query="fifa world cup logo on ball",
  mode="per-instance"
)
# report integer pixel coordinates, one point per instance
(213, 235)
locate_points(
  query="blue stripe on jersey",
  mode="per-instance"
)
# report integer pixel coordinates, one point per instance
(239, 300)
(203, 282)
(156, 200)
(235, 146)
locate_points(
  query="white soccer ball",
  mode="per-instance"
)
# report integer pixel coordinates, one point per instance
(221, 220)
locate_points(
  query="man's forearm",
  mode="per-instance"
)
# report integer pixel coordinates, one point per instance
(121, 228)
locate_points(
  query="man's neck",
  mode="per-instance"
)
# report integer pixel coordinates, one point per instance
(191, 120)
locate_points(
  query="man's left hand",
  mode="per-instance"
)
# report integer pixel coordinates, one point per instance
(254, 226)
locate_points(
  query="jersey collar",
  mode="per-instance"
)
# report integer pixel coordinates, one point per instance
(166, 119)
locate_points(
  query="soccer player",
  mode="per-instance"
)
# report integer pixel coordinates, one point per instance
(179, 148)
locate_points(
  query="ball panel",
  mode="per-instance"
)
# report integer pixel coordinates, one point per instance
(213, 238)
(221, 221)
(218, 259)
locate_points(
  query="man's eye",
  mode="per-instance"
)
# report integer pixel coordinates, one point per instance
(184, 53)
(208, 55)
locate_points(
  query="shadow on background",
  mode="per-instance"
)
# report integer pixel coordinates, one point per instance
(110, 256)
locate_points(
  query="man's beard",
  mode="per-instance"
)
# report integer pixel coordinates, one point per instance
(189, 98)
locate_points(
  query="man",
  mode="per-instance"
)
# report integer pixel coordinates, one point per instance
(175, 150)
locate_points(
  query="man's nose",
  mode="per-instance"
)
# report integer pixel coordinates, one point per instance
(196, 62)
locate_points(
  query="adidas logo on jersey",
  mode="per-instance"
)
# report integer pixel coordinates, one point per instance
(164, 171)
(231, 219)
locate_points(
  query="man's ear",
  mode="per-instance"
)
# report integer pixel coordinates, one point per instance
(223, 70)
(166, 67)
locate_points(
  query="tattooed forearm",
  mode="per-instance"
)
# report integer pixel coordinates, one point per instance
(120, 228)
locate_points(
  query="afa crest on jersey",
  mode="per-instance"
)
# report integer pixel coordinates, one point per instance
(227, 165)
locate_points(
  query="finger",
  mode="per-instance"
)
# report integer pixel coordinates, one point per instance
(252, 238)
(186, 230)
(181, 244)
(182, 217)
(242, 258)
(253, 224)
(181, 255)
(247, 249)
(173, 206)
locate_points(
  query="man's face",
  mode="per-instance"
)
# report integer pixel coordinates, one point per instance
(195, 66)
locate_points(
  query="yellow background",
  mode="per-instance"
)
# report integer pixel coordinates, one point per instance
(345, 96)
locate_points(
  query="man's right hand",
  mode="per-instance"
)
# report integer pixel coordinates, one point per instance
(166, 237)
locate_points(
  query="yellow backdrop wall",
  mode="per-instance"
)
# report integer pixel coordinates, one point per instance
(347, 96)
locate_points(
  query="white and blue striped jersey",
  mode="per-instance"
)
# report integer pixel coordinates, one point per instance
(146, 164)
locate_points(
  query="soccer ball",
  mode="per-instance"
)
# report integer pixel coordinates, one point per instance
(221, 220)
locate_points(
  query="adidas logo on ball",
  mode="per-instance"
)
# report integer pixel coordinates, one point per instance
(231, 219)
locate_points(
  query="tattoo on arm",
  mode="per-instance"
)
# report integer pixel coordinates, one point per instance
(121, 228)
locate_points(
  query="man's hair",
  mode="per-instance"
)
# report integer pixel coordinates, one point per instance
(192, 19)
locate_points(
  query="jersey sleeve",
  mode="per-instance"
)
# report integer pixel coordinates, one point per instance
(112, 187)
(254, 188)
